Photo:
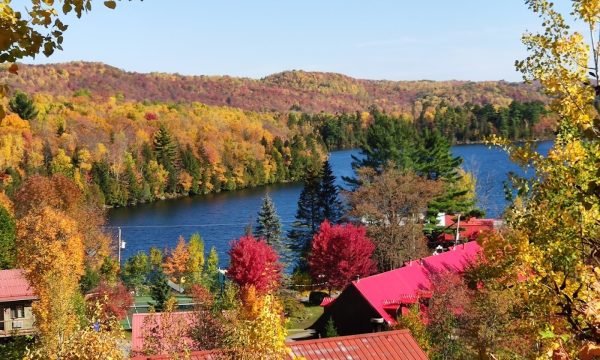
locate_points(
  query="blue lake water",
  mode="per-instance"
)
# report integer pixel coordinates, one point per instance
(222, 217)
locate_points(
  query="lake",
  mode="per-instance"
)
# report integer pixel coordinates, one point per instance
(222, 217)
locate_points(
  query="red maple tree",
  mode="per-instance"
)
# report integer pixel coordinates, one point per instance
(114, 298)
(340, 253)
(253, 263)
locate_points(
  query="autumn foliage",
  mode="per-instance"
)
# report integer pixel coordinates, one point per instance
(253, 263)
(115, 300)
(176, 263)
(50, 250)
(340, 254)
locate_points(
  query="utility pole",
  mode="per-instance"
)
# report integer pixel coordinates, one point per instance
(121, 246)
(457, 230)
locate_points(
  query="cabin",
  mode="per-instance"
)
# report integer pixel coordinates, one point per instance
(397, 345)
(16, 298)
(469, 229)
(374, 303)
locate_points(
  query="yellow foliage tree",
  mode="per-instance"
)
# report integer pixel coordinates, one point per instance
(258, 331)
(95, 340)
(554, 224)
(195, 263)
(50, 250)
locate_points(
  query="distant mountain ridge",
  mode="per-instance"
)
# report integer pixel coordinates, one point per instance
(311, 92)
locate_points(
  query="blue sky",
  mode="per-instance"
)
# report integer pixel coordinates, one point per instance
(376, 39)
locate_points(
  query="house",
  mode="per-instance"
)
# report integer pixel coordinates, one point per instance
(375, 302)
(469, 228)
(16, 297)
(397, 345)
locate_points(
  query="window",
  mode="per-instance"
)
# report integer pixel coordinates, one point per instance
(18, 312)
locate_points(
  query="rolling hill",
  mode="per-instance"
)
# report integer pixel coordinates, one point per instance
(310, 92)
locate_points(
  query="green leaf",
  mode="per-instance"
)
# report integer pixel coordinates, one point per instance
(110, 4)
(547, 334)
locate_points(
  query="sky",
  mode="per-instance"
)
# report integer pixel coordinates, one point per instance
(368, 39)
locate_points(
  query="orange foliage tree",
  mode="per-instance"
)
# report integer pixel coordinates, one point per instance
(50, 250)
(176, 263)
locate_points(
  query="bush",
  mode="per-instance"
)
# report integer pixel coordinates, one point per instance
(292, 307)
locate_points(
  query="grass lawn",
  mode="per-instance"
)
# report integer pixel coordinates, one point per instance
(145, 299)
(311, 315)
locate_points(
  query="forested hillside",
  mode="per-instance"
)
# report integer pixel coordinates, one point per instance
(310, 92)
(133, 138)
(131, 152)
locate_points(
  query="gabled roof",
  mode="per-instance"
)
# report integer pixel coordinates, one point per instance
(387, 290)
(14, 286)
(396, 345)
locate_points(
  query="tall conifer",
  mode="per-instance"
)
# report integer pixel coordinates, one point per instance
(330, 205)
(308, 215)
(268, 225)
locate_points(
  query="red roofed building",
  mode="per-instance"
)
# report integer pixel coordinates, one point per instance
(16, 297)
(373, 303)
(469, 229)
(396, 345)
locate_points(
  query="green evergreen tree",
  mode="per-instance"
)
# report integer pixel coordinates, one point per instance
(268, 225)
(388, 139)
(159, 289)
(23, 106)
(192, 165)
(329, 201)
(8, 233)
(330, 330)
(166, 153)
(308, 216)
(436, 162)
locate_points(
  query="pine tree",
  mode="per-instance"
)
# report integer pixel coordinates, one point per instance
(308, 215)
(330, 330)
(23, 105)
(268, 225)
(329, 202)
(165, 149)
(159, 289)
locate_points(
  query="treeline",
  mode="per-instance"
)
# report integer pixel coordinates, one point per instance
(458, 124)
(518, 121)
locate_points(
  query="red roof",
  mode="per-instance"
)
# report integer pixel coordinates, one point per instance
(470, 229)
(14, 286)
(397, 345)
(387, 290)
(327, 300)
(137, 325)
